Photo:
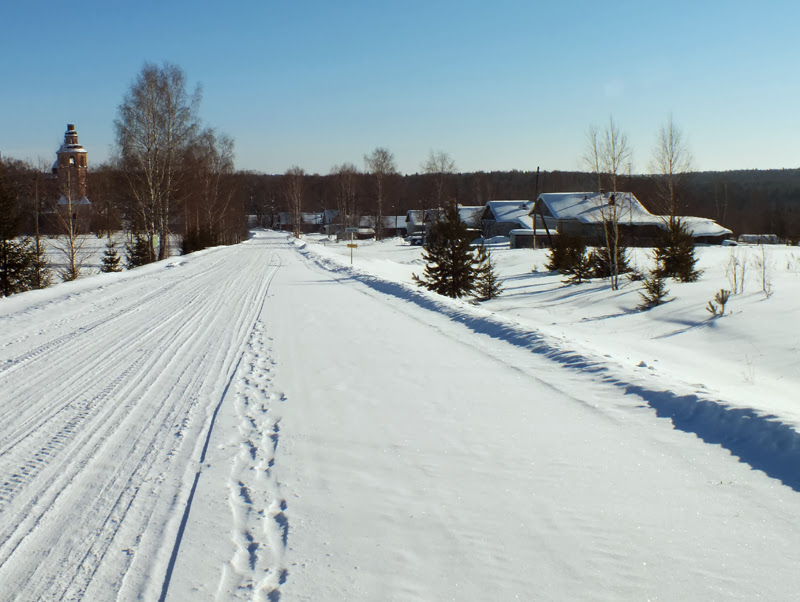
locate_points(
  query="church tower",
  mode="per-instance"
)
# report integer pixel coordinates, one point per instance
(71, 167)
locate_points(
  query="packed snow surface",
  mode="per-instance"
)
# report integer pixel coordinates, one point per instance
(267, 422)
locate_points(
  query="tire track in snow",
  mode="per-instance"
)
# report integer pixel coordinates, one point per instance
(69, 373)
(97, 436)
(251, 546)
(109, 445)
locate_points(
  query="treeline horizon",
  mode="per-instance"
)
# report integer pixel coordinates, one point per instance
(745, 201)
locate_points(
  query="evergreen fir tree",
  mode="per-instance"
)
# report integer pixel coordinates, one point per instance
(450, 264)
(41, 274)
(487, 283)
(140, 253)
(111, 258)
(18, 259)
(600, 265)
(578, 263)
(568, 256)
(674, 254)
(654, 291)
(565, 253)
(560, 253)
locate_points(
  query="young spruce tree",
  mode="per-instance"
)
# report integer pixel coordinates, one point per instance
(18, 258)
(450, 263)
(111, 258)
(487, 283)
(138, 253)
(674, 254)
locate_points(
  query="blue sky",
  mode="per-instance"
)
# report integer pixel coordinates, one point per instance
(497, 85)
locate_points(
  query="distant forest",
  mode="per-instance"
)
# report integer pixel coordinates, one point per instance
(747, 201)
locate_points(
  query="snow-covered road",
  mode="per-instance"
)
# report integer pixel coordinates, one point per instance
(363, 447)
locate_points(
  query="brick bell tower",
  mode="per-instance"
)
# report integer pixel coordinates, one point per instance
(71, 167)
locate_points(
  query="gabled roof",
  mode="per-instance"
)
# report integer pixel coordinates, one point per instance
(470, 215)
(590, 207)
(415, 216)
(517, 212)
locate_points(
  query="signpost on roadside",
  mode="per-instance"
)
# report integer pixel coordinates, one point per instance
(351, 245)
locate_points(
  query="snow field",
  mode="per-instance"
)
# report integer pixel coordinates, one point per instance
(265, 422)
(455, 466)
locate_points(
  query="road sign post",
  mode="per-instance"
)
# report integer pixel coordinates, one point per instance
(351, 245)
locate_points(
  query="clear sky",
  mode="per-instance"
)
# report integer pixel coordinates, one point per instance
(497, 85)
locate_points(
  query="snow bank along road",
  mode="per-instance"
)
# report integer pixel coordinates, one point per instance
(243, 424)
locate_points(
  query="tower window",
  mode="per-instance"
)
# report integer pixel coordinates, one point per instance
(72, 160)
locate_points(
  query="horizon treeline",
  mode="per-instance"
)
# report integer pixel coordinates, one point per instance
(745, 201)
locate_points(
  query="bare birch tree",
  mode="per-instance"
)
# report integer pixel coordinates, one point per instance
(380, 163)
(607, 155)
(294, 189)
(346, 182)
(671, 160)
(440, 166)
(70, 242)
(155, 123)
(207, 203)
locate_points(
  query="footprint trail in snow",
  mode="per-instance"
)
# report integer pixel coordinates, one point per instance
(259, 512)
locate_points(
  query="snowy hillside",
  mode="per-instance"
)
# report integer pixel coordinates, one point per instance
(266, 422)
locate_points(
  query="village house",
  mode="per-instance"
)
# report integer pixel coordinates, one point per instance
(583, 214)
(499, 218)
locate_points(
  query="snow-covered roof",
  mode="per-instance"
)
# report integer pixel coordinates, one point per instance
(590, 207)
(82, 201)
(510, 211)
(311, 218)
(470, 215)
(71, 148)
(415, 216)
(703, 226)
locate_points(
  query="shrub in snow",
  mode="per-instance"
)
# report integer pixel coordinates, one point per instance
(717, 306)
(735, 271)
(764, 265)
